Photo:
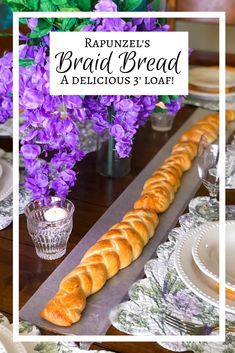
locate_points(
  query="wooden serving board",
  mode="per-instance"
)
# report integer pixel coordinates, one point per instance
(95, 318)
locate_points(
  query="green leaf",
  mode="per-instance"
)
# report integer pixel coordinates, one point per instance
(82, 96)
(70, 9)
(17, 5)
(93, 3)
(155, 5)
(132, 5)
(84, 5)
(33, 5)
(47, 6)
(26, 62)
(162, 21)
(164, 99)
(68, 23)
(173, 97)
(23, 21)
(159, 110)
(82, 24)
(59, 2)
(43, 28)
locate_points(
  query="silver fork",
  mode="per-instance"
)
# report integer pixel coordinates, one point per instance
(192, 329)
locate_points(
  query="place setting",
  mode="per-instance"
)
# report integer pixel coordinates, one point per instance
(204, 87)
(180, 294)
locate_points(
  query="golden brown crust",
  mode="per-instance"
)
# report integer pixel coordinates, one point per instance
(157, 199)
(151, 184)
(169, 176)
(189, 146)
(183, 159)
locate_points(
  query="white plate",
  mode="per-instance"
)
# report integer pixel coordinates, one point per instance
(190, 274)
(6, 180)
(205, 252)
(0, 170)
(210, 96)
(208, 77)
(7, 341)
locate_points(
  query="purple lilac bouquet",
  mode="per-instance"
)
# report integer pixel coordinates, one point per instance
(50, 133)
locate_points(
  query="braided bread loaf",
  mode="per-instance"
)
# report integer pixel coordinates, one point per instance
(124, 242)
(208, 126)
(116, 249)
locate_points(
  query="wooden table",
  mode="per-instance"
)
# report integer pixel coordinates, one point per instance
(92, 195)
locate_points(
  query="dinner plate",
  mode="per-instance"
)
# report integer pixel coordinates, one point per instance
(208, 77)
(205, 252)
(200, 284)
(6, 338)
(6, 180)
(210, 96)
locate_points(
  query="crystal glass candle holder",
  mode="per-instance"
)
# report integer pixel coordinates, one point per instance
(162, 121)
(49, 223)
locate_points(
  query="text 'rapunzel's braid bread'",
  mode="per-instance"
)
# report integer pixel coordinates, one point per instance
(115, 250)
(124, 242)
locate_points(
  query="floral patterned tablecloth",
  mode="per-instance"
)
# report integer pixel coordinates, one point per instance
(6, 205)
(27, 328)
(162, 292)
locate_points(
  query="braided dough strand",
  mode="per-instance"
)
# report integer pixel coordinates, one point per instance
(116, 249)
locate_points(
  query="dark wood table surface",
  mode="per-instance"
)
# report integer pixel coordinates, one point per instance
(92, 195)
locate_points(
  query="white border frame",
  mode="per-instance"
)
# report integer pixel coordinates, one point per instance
(129, 338)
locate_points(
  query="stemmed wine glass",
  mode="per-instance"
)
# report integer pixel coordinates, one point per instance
(208, 170)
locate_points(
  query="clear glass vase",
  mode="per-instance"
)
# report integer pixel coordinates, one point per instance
(162, 121)
(108, 162)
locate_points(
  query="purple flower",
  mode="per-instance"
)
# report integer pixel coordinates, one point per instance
(30, 151)
(100, 122)
(117, 131)
(123, 149)
(106, 5)
(183, 301)
(32, 99)
(72, 102)
(32, 23)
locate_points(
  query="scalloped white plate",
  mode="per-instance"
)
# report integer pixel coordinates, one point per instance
(7, 341)
(6, 180)
(208, 77)
(210, 96)
(205, 252)
(190, 274)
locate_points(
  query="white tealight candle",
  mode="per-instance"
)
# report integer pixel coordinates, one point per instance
(55, 214)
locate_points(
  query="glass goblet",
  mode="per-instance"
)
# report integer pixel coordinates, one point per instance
(208, 170)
